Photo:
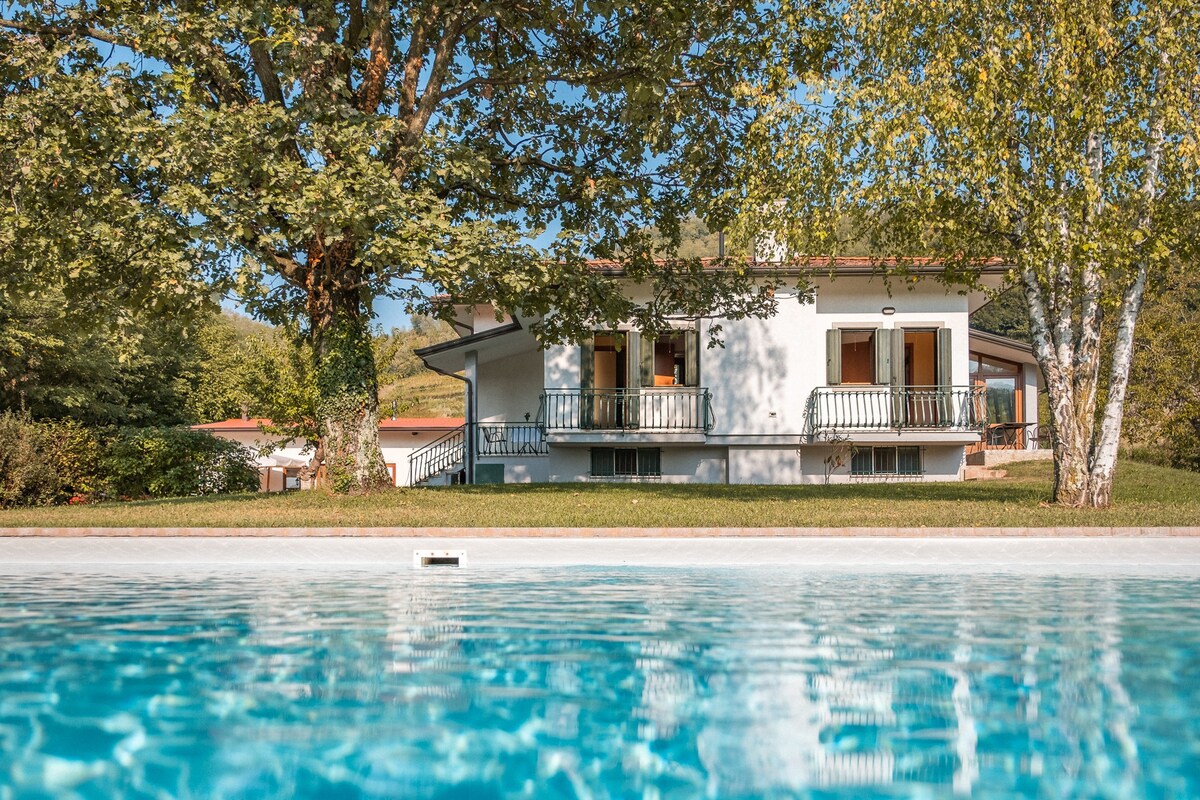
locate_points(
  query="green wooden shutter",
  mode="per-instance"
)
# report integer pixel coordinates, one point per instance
(833, 357)
(691, 368)
(897, 357)
(630, 402)
(587, 382)
(945, 376)
(646, 362)
(897, 378)
(587, 363)
(945, 358)
(633, 341)
(883, 355)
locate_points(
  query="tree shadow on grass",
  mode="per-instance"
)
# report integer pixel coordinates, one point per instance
(195, 501)
(1003, 491)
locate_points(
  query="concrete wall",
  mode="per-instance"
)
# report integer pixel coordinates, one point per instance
(755, 465)
(1029, 396)
(530, 469)
(766, 465)
(509, 388)
(940, 462)
(679, 465)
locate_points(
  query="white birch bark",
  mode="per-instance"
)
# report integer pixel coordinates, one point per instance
(1104, 458)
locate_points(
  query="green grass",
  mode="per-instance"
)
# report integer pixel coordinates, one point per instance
(1145, 496)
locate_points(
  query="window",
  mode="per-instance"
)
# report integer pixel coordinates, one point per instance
(673, 359)
(858, 356)
(626, 462)
(886, 461)
(1003, 382)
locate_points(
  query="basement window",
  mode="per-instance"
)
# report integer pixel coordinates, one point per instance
(902, 461)
(626, 462)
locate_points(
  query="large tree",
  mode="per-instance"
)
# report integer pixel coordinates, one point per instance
(1060, 138)
(342, 150)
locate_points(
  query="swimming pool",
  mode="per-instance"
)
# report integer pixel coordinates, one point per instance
(597, 682)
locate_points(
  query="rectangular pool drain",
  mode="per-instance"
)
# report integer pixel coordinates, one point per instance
(439, 558)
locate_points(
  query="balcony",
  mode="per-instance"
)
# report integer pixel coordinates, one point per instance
(837, 410)
(649, 410)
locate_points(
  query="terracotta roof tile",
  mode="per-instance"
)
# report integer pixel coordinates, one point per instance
(386, 423)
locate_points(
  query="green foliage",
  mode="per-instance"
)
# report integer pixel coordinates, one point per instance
(405, 384)
(74, 452)
(133, 367)
(328, 155)
(83, 216)
(27, 477)
(176, 462)
(1062, 143)
(1164, 391)
(247, 368)
(47, 463)
(1006, 315)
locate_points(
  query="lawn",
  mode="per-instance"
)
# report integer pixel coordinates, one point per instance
(1145, 496)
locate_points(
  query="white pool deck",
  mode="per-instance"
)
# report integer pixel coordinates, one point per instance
(1145, 550)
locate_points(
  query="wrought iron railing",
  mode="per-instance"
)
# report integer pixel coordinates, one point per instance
(510, 439)
(952, 408)
(676, 409)
(449, 452)
(438, 456)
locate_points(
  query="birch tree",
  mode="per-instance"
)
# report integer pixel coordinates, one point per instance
(1057, 136)
(334, 151)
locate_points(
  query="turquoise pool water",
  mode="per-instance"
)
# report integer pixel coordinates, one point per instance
(598, 683)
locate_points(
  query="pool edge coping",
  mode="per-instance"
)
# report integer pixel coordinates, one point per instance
(924, 553)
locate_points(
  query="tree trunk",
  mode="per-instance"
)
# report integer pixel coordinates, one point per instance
(1071, 437)
(345, 377)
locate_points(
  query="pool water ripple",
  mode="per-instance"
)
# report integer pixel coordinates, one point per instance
(649, 683)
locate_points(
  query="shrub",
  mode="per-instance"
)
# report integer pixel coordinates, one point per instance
(74, 452)
(176, 462)
(27, 476)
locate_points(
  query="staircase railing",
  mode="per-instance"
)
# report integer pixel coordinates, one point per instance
(437, 456)
(490, 439)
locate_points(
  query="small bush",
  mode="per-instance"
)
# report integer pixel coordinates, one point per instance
(74, 452)
(177, 462)
(27, 476)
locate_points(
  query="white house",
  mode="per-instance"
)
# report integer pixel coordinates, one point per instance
(282, 467)
(864, 384)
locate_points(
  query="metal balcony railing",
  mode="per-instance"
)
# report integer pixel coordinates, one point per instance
(676, 409)
(881, 408)
(510, 439)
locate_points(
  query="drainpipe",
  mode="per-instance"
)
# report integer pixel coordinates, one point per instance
(469, 413)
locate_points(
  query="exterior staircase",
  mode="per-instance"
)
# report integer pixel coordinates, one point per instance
(445, 455)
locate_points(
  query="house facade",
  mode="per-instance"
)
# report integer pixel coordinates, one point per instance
(283, 465)
(867, 383)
